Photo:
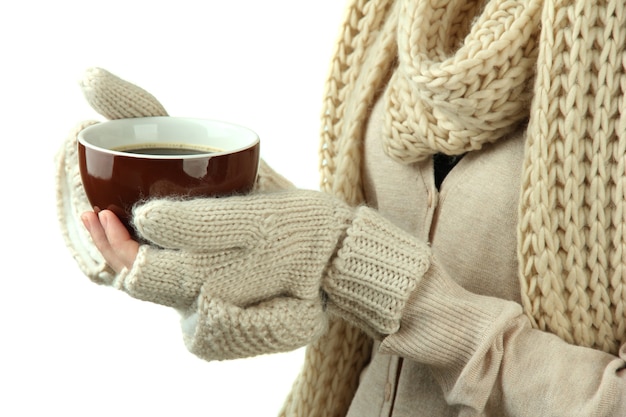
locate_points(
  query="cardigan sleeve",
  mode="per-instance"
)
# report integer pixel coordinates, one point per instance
(484, 354)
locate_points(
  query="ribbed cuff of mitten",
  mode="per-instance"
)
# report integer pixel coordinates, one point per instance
(448, 327)
(374, 272)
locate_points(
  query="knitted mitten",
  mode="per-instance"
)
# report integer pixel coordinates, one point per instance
(253, 274)
(113, 98)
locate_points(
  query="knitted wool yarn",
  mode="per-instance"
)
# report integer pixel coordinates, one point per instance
(115, 98)
(572, 214)
(461, 73)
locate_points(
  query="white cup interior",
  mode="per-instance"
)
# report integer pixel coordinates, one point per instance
(217, 137)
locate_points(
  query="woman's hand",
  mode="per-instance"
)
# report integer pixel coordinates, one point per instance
(111, 238)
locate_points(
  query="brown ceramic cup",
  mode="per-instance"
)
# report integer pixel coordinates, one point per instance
(125, 161)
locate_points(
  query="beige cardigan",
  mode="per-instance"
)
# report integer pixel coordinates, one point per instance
(460, 77)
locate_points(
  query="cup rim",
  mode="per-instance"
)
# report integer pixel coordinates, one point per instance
(82, 137)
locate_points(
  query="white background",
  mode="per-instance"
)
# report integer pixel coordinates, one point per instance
(70, 347)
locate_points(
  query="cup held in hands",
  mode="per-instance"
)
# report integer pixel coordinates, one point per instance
(125, 161)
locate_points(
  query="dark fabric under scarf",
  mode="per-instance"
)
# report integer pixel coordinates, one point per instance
(443, 164)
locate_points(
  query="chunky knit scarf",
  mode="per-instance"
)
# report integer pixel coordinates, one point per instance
(456, 74)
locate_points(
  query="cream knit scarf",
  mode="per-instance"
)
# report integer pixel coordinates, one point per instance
(460, 73)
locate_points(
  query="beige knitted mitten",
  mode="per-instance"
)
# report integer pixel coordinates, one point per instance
(254, 274)
(113, 98)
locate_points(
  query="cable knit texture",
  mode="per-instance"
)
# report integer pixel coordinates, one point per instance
(245, 249)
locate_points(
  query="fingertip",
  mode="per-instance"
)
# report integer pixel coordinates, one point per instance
(85, 219)
(113, 226)
(103, 216)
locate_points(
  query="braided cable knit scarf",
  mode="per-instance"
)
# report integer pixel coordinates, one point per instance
(457, 74)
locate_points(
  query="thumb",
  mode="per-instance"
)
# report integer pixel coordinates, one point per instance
(200, 224)
(115, 98)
